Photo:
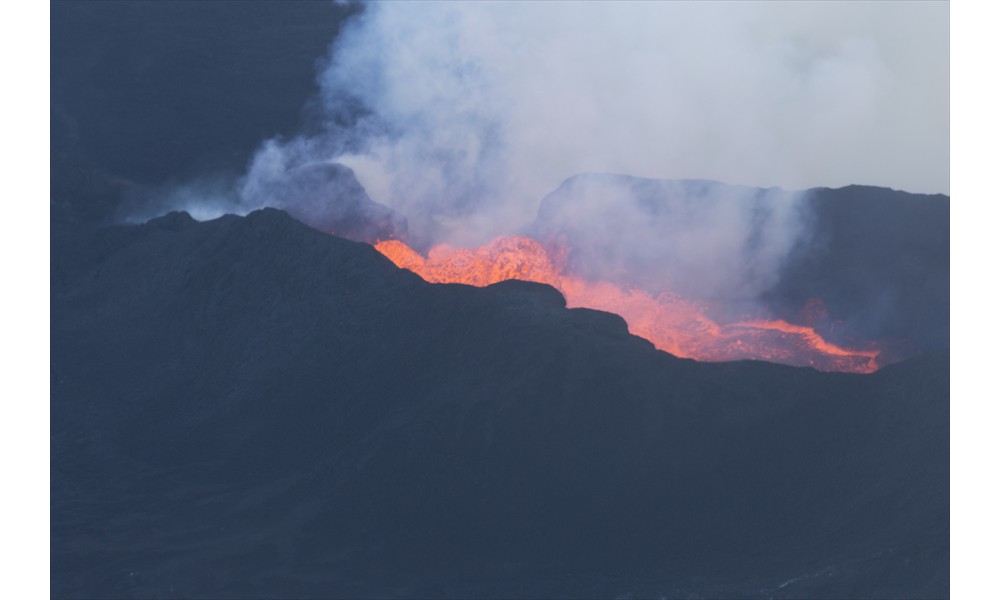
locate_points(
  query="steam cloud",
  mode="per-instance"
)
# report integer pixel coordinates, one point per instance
(478, 110)
(462, 116)
(699, 239)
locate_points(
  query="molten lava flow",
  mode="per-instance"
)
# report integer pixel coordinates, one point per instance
(509, 257)
(674, 324)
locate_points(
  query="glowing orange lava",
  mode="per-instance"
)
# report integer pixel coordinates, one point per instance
(674, 324)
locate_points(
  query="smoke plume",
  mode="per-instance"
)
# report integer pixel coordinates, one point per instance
(471, 112)
(461, 117)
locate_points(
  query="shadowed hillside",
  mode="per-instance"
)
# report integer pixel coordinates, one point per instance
(247, 407)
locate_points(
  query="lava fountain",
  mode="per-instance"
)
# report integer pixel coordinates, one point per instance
(674, 324)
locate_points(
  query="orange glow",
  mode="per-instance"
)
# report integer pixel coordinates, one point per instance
(674, 324)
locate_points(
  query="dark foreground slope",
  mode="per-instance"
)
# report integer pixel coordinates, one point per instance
(250, 408)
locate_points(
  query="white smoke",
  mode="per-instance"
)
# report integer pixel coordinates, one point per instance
(474, 111)
(462, 116)
(699, 239)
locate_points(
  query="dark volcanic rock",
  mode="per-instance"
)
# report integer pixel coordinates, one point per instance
(880, 260)
(247, 407)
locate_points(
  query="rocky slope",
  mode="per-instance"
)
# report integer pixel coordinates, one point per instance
(247, 407)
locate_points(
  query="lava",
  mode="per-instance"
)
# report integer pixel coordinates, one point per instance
(674, 324)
